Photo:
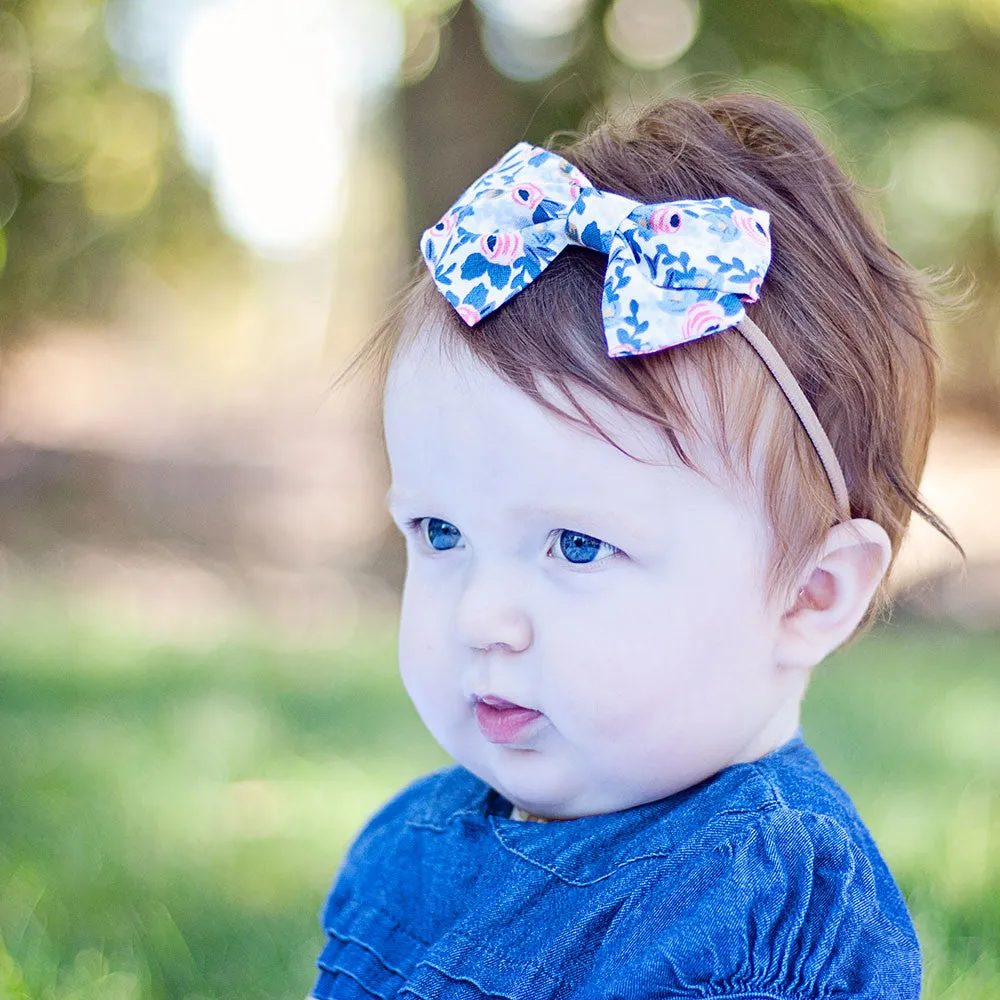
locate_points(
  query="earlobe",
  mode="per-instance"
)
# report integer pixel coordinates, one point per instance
(835, 592)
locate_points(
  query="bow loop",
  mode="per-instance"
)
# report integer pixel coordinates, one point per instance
(691, 264)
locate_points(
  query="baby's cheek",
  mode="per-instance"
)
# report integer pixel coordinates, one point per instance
(419, 622)
(597, 701)
(418, 653)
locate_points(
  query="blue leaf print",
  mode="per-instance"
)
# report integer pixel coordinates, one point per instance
(633, 244)
(731, 304)
(477, 297)
(499, 274)
(442, 275)
(624, 337)
(474, 266)
(632, 319)
(546, 210)
(593, 237)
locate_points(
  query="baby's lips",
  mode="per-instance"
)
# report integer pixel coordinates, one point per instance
(497, 702)
(503, 723)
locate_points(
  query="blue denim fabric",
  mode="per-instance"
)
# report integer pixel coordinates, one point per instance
(761, 883)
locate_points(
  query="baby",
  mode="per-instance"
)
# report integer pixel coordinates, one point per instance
(655, 415)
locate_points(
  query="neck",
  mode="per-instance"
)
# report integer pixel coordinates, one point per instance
(780, 727)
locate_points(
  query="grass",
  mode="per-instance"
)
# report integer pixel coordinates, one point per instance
(170, 819)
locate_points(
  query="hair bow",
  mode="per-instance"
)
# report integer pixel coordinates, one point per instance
(676, 270)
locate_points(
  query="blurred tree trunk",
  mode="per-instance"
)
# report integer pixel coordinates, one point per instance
(455, 123)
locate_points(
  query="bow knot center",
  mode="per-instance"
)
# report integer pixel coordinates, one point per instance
(594, 217)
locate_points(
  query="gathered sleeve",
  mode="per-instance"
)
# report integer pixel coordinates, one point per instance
(790, 908)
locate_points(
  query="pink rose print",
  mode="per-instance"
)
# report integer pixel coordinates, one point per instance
(700, 320)
(469, 314)
(621, 350)
(528, 195)
(501, 248)
(665, 220)
(575, 179)
(445, 226)
(751, 227)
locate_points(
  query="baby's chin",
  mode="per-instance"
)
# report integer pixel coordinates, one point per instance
(543, 782)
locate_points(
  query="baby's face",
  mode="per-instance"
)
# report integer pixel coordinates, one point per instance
(618, 606)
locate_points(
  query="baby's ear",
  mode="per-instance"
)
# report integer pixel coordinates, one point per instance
(834, 593)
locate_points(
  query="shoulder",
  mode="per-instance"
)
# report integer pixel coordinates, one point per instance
(785, 896)
(429, 801)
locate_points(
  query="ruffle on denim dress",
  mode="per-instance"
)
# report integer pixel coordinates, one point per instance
(761, 883)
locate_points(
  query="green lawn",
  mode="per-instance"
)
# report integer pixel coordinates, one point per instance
(170, 819)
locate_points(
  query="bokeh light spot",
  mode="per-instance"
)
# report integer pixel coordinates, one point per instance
(59, 135)
(525, 57)
(15, 71)
(423, 45)
(651, 34)
(67, 38)
(10, 192)
(949, 168)
(122, 172)
(529, 40)
(538, 18)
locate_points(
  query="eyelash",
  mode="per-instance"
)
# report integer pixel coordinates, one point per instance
(414, 526)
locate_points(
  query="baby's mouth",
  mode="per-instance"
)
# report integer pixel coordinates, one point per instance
(501, 721)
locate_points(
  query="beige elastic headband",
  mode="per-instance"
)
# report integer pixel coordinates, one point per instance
(754, 336)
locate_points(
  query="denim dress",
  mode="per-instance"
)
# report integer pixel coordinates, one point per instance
(760, 883)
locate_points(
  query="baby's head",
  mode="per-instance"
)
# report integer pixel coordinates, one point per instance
(645, 556)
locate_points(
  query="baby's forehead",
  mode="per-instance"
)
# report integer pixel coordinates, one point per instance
(431, 376)
(435, 368)
(435, 380)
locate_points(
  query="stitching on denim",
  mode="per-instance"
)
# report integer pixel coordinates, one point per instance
(766, 773)
(762, 808)
(366, 947)
(394, 924)
(455, 978)
(775, 803)
(487, 951)
(422, 823)
(366, 988)
(570, 881)
(758, 995)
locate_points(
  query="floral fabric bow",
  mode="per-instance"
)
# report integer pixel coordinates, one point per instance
(676, 270)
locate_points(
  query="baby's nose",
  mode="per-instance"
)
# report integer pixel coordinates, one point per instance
(492, 611)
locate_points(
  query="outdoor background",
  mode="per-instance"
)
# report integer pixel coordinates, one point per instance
(205, 206)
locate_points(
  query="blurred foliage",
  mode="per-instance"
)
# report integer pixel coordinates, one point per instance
(91, 175)
(905, 93)
(172, 819)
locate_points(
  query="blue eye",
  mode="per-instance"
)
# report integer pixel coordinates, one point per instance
(577, 547)
(442, 535)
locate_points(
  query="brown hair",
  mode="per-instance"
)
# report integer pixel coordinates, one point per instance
(846, 313)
